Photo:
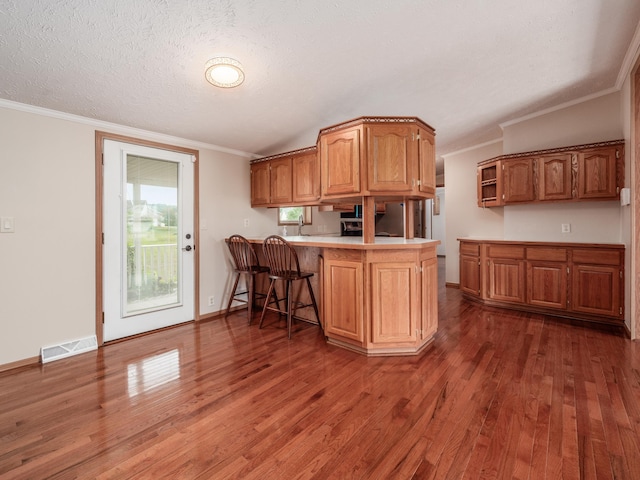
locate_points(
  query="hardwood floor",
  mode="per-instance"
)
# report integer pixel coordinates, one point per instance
(499, 394)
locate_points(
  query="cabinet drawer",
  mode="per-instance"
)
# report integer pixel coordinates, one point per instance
(470, 249)
(547, 254)
(597, 256)
(506, 251)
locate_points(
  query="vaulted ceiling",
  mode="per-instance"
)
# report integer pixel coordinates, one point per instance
(462, 66)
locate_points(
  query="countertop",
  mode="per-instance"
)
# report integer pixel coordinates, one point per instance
(355, 243)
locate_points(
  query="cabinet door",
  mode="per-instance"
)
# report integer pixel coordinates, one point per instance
(547, 284)
(518, 180)
(306, 178)
(470, 274)
(427, 162)
(390, 152)
(597, 173)
(596, 289)
(394, 302)
(429, 308)
(340, 162)
(260, 184)
(554, 177)
(281, 181)
(343, 299)
(506, 280)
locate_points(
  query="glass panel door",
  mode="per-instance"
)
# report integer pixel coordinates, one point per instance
(148, 257)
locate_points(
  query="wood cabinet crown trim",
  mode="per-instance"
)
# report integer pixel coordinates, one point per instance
(376, 120)
(285, 154)
(573, 148)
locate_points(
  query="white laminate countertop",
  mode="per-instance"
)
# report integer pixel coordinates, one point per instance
(355, 243)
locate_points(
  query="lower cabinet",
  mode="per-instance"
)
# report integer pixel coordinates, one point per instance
(584, 281)
(597, 282)
(506, 273)
(381, 302)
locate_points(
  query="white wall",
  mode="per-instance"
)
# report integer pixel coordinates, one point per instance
(47, 184)
(464, 217)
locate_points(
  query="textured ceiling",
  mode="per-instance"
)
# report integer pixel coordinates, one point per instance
(462, 66)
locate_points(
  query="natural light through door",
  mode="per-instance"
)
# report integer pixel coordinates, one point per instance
(148, 259)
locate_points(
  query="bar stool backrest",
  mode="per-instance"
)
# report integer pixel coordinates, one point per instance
(244, 256)
(281, 257)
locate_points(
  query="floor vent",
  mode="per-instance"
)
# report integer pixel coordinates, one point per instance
(56, 352)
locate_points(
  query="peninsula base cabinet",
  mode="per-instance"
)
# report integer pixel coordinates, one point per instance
(575, 280)
(381, 302)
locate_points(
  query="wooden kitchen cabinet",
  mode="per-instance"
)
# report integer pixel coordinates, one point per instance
(287, 179)
(470, 269)
(260, 184)
(427, 162)
(506, 273)
(381, 301)
(554, 175)
(518, 180)
(395, 304)
(281, 181)
(576, 280)
(386, 157)
(429, 296)
(547, 269)
(340, 162)
(597, 169)
(391, 154)
(568, 174)
(489, 185)
(343, 295)
(306, 178)
(597, 282)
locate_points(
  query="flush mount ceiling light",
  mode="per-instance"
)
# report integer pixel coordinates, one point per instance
(224, 72)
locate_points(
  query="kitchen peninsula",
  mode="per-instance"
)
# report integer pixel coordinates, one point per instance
(379, 296)
(375, 298)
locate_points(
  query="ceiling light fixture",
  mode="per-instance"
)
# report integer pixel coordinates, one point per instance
(224, 72)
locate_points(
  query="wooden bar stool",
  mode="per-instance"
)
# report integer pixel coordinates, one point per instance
(284, 266)
(246, 264)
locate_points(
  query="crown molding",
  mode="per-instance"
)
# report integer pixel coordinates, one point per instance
(121, 129)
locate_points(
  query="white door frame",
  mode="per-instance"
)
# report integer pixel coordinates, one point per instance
(100, 137)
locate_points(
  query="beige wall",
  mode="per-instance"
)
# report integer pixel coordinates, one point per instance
(464, 217)
(590, 121)
(48, 265)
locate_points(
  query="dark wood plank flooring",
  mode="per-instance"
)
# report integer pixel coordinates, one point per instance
(499, 394)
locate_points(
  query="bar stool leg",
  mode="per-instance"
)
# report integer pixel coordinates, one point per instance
(250, 298)
(313, 301)
(266, 302)
(289, 307)
(233, 294)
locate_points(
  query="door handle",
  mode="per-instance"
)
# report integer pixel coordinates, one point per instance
(187, 248)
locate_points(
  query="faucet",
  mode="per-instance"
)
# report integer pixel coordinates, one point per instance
(300, 225)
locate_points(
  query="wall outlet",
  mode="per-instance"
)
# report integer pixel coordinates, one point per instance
(212, 301)
(246, 222)
(566, 228)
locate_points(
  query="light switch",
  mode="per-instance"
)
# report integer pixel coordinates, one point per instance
(6, 225)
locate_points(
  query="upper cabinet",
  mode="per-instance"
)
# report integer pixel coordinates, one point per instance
(387, 157)
(286, 179)
(584, 172)
(597, 169)
(518, 182)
